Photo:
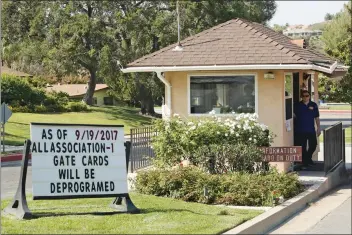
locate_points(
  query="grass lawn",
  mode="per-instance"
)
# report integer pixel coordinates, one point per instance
(339, 107)
(159, 216)
(348, 134)
(17, 128)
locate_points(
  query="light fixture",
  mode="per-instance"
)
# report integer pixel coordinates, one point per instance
(269, 75)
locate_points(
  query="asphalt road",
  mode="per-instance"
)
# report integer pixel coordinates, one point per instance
(328, 119)
(10, 175)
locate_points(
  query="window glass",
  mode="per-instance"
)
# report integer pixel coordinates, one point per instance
(108, 101)
(288, 85)
(288, 96)
(222, 94)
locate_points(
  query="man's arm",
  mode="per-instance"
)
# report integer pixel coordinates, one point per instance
(317, 121)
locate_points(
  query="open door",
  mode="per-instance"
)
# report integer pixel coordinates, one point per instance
(296, 99)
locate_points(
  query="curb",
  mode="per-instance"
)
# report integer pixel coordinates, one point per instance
(270, 219)
(13, 157)
(334, 111)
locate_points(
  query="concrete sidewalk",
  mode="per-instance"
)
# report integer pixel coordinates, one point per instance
(318, 217)
(10, 148)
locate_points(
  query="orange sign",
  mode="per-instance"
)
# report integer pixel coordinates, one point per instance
(282, 154)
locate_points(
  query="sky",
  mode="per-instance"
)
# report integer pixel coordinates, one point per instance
(304, 12)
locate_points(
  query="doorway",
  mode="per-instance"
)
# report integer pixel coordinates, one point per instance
(296, 99)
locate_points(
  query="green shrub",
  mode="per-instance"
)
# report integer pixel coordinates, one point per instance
(218, 159)
(207, 139)
(15, 89)
(24, 97)
(56, 98)
(242, 189)
(77, 107)
(40, 109)
(20, 109)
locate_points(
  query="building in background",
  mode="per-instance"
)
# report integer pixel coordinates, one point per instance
(77, 92)
(302, 33)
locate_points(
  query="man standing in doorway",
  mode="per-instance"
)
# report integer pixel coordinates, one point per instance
(306, 113)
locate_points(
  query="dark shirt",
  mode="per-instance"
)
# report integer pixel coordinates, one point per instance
(305, 115)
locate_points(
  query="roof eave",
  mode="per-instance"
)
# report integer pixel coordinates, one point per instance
(229, 67)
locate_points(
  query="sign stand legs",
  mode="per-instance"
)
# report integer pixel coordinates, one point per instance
(18, 206)
(124, 203)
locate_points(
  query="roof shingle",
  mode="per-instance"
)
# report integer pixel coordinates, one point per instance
(235, 42)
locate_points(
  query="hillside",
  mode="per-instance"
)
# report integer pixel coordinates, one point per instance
(318, 26)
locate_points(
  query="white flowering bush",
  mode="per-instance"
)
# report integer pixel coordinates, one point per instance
(180, 139)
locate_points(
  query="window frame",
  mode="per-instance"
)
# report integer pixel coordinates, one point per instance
(189, 75)
(288, 97)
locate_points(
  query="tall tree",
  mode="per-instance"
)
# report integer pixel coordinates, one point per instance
(67, 37)
(336, 36)
(328, 16)
(79, 30)
(338, 44)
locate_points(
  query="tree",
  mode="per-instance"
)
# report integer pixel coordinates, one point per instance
(280, 28)
(337, 37)
(338, 44)
(68, 37)
(315, 43)
(329, 16)
(21, 46)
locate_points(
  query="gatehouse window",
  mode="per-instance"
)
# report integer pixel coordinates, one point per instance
(222, 94)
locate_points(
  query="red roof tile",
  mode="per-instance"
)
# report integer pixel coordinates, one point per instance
(74, 89)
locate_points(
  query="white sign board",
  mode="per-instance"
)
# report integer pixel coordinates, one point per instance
(70, 160)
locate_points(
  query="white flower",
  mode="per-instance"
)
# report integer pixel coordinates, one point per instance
(212, 112)
(218, 133)
(192, 128)
(264, 127)
(226, 134)
(254, 140)
(190, 124)
(250, 139)
(239, 126)
(232, 131)
(176, 115)
(237, 134)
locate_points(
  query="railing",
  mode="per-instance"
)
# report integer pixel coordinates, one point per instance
(141, 149)
(334, 147)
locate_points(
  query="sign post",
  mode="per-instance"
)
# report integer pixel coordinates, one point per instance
(6, 113)
(18, 206)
